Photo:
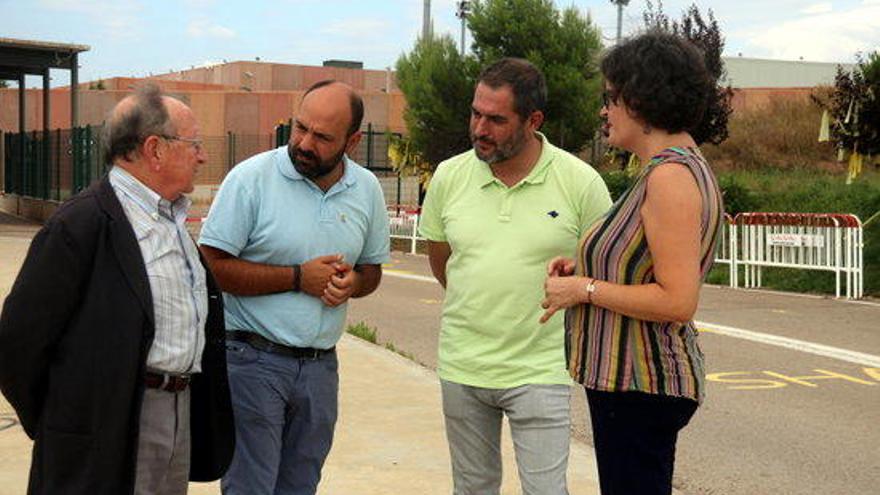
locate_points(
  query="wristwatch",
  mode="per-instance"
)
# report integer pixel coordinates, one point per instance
(591, 289)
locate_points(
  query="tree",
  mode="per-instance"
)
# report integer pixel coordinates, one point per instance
(854, 110)
(706, 35)
(564, 45)
(438, 81)
(438, 84)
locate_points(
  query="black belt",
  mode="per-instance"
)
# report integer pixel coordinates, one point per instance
(166, 382)
(261, 343)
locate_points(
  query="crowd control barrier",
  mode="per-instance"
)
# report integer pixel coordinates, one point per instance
(404, 224)
(727, 249)
(810, 241)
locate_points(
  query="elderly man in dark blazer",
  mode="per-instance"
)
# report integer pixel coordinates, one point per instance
(111, 340)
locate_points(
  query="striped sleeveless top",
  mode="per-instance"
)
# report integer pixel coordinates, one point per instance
(610, 352)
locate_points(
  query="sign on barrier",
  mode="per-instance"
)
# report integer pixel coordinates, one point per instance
(403, 221)
(811, 241)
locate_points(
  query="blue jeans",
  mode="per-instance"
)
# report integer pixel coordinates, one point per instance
(285, 412)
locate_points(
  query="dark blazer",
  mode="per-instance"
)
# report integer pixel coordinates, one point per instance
(74, 336)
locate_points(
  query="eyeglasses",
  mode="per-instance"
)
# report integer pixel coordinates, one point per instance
(609, 98)
(195, 143)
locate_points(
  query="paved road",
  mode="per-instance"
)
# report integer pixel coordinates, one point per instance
(798, 416)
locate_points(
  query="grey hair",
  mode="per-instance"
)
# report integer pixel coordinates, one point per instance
(125, 130)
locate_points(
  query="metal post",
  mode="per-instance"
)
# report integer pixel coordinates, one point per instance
(462, 13)
(58, 165)
(44, 163)
(426, 20)
(74, 90)
(620, 5)
(370, 145)
(619, 20)
(22, 135)
(415, 234)
(88, 157)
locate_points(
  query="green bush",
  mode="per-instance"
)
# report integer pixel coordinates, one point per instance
(737, 197)
(617, 181)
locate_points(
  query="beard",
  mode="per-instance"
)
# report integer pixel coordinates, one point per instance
(504, 150)
(310, 165)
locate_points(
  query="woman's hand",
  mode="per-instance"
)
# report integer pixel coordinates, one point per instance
(560, 266)
(561, 293)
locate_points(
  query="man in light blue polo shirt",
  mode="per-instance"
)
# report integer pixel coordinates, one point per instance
(494, 217)
(293, 234)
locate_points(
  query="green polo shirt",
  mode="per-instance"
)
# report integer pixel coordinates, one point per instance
(501, 239)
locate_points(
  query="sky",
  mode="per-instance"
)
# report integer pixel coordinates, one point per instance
(143, 37)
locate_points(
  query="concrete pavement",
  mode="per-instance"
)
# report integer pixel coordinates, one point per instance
(389, 438)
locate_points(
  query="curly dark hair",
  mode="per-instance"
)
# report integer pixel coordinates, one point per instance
(662, 78)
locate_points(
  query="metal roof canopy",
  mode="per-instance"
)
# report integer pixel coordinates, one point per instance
(19, 58)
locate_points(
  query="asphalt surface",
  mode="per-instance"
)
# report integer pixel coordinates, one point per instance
(798, 416)
(781, 418)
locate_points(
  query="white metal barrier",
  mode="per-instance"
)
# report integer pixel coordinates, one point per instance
(404, 224)
(812, 241)
(727, 249)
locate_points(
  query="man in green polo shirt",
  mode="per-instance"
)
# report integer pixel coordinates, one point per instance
(494, 216)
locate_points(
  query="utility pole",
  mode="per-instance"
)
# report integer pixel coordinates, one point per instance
(426, 20)
(464, 8)
(620, 5)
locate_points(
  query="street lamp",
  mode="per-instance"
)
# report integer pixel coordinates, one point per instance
(620, 5)
(464, 8)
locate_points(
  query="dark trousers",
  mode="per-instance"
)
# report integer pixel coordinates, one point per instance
(634, 435)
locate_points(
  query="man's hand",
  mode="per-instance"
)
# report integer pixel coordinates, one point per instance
(316, 273)
(341, 286)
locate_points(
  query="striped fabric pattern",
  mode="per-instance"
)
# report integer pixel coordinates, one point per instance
(610, 352)
(177, 277)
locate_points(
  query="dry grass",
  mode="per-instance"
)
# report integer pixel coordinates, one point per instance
(782, 135)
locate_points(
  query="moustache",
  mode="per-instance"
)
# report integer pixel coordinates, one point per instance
(483, 140)
(301, 154)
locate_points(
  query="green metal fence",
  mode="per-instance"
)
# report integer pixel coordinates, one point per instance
(51, 165)
(58, 164)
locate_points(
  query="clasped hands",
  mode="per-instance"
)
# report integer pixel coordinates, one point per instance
(561, 289)
(328, 278)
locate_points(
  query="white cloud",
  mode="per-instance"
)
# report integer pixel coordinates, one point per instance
(828, 37)
(819, 8)
(356, 28)
(206, 29)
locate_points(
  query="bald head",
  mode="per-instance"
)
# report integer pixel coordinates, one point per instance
(337, 94)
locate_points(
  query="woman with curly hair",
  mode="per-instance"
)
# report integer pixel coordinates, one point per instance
(632, 290)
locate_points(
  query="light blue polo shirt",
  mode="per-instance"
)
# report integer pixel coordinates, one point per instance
(266, 212)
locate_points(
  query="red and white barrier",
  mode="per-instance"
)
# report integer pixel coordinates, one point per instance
(811, 241)
(404, 224)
